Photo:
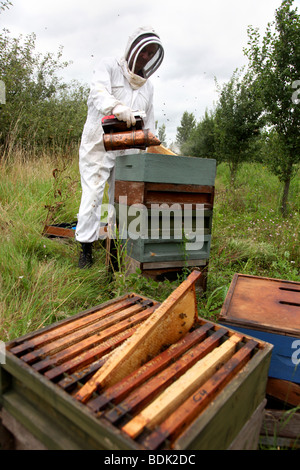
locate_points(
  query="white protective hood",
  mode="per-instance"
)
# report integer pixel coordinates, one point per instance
(134, 46)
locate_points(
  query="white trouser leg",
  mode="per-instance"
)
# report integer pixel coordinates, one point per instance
(111, 197)
(96, 168)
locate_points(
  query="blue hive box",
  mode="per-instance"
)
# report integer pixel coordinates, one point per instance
(268, 309)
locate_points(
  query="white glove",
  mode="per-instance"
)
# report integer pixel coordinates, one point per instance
(123, 113)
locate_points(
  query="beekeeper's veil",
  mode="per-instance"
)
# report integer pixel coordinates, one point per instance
(138, 41)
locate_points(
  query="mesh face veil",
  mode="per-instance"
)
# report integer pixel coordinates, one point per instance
(145, 55)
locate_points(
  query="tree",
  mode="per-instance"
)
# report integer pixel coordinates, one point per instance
(238, 120)
(275, 63)
(162, 134)
(40, 111)
(188, 123)
(201, 141)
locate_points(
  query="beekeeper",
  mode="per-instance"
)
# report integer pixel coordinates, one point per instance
(119, 87)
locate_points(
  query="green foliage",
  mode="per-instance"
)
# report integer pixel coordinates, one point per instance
(276, 65)
(257, 116)
(41, 112)
(162, 134)
(135, 282)
(212, 302)
(187, 124)
(39, 279)
(231, 132)
(276, 155)
(201, 141)
(248, 228)
(237, 122)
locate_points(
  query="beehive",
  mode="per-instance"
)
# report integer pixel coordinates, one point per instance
(173, 169)
(169, 186)
(196, 393)
(268, 309)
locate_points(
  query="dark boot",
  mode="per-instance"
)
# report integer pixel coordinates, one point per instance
(86, 258)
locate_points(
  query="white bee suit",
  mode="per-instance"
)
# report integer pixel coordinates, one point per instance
(112, 84)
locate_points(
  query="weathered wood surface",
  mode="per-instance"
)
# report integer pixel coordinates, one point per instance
(281, 428)
(188, 410)
(168, 324)
(146, 194)
(157, 223)
(48, 425)
(69, 321)
(72, 381)
(77, 325)
(117, 392)
(283, 390)
(42, 394)
(83, 359)
(147, 392)
(268, 309)
(170, 270)
(21, 438)
(51, 230)
(167, 264)
(248, 437)
(14, 436)
(263, 303)
(180, 390)
(77, 346)
(161, 149)
(90, 336)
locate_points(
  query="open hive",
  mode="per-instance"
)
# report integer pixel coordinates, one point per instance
(135, 374)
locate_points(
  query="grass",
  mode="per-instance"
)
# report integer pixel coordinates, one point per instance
(39, 279)
(40, 282)
(249, 234)
(280, 428)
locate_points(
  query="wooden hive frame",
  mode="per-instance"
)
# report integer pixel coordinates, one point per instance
(171, 321)
(39, 384)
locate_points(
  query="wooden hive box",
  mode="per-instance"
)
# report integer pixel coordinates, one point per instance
(268, 309)
(67, 230)
(205, 390)
(63, 230)
(153, 180)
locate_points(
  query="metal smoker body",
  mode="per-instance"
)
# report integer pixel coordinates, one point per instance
(117, 136)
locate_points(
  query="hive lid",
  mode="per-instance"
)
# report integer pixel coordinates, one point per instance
(263, 304)
(155, 168)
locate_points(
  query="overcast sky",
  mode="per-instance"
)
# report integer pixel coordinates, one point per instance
(203, 39)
